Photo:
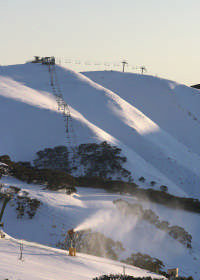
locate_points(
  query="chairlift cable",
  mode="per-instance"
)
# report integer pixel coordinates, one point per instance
(64, 107)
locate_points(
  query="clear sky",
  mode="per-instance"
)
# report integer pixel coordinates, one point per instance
(163, 35)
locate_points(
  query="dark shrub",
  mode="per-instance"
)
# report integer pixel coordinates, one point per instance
(164, 188)
(142, 179)
(102, 160)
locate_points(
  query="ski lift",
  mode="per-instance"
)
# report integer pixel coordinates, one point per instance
(143, 69)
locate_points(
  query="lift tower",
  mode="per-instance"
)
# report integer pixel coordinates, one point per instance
(124, 63)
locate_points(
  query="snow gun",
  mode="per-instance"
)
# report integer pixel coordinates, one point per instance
(71, 236)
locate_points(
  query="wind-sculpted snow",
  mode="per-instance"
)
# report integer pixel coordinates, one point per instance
(17, 91)
(151, 129)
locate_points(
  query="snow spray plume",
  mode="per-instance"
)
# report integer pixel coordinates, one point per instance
(109, 222)
(104, 232)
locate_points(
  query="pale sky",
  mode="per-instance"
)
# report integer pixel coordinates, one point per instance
(162, 35)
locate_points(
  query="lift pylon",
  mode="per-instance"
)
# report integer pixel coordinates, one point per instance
(64, 108)
(6, 198)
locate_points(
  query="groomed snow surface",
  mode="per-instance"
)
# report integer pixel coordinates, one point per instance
(41, 262)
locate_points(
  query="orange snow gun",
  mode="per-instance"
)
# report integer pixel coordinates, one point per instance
(72, 250)
(71, 232)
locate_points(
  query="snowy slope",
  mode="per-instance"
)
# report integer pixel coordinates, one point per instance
(30, 121)
(42, 262)
(174, 108)
(93, 208)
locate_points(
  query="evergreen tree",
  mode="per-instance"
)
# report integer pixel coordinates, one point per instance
(53, 158)
(102, 160)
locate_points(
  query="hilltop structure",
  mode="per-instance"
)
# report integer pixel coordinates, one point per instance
(49, 60)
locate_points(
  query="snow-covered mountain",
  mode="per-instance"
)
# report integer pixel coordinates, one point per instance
(155, 122)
